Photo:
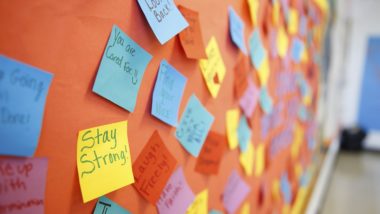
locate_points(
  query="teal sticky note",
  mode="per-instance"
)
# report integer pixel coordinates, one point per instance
(257, 50)
(121, 70)
(194, 126)
(107, 206)
(215, 212)
(23, 91)
(297, 48)
(237, 30)
(266, 101)
(167, 93)
(244, 134)
(164, 18)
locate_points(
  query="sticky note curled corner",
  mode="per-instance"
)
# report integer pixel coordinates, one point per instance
(103, 160)
(232, 124)
(106, 205)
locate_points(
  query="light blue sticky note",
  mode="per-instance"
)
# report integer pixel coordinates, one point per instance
(167, 93)
(257, 50)
(23, 91)
(164, 18)
(194, 126)
(237, 30)
(297, 48)
(244, 134)
(106, 206)
(121, 70)
(266, 101)
(286, 189)
(215, 212)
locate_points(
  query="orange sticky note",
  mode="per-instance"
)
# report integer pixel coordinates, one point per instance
(211, 154)
(191, 37)
(152, 168)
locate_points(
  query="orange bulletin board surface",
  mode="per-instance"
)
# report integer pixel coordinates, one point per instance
(68, 39)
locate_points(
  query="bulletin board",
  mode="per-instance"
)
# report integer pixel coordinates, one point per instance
(68, 39)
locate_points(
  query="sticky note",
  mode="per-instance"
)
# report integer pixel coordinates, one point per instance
(152, 168)
(298, 139)
(211, 154)
(200, 203)
(303, 26)
(103, 160)
(265, 100)
(121, 70)
(246, 159)
(285, 8)
(213, 69)
(191, 37)
(240, 76)
(260, 160)
(244, 134)
(105, 205)
(22, 185)
(276, 12)
(164, 18)
(237, 29)
(297, 49)
(177, 196)
(273, 42)
(249, 99)
(257, 50)
(293, 21)
(276, 190)
(215, 212)
(167, 93)
(254, 10)
(235, 192)
(232, 125)
(264, 72)
(245, 209)
(194, 126)
(23, 91)
(282, 42)
(286, 189)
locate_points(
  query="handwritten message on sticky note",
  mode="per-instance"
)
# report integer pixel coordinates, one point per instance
(200, 203)
(260, 160)
(121, 70)
(22, 185)
(152, 168)
(191, 37)
(232, 125)
(254, 10)
(107, 206)
(246, 159)
(213, 69)
(282, 42)
(164, 18)
(257, 50)
(167, 93)
(249, 99)
(177, 196)
(194, 126)
(211, 154)
(240, 76)
(244, 134)
(237, 30)
(297, 49)
(23, 91)
(293, 21)
(103, 160)
(265, 100)
(235, 192)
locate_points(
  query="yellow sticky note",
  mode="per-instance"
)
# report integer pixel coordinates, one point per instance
(213, 69)
(246, 159)
(264, 72)
(276, 190)
(200, 203)
(232, 124)
(276, 12)
(282, 42)
(103, 160)
(298, 170)
(254, 10)
(260, 160)
(304, 56)
(286, 209)
(293, 21)
(297, 140)
(245, 208)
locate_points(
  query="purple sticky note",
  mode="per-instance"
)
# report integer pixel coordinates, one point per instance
(177, 196)
(22, 185)
(235, 192)
(249, 99)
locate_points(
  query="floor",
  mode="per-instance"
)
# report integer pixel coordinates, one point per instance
(355, 184)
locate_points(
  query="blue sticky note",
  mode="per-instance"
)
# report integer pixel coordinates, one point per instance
(237, 30)
(215, 212)
(297, 48)
(244, 134)
(164, 18)
(257, 50)
(106, 206)
(265, 100)
(194, 126)
(121, 70)
(286, 189)
(23, 91)
(167, 93)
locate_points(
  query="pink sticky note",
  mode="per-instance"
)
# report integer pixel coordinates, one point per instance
(177, 196)
(22, 185)
(235, 192)
(249, 99)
